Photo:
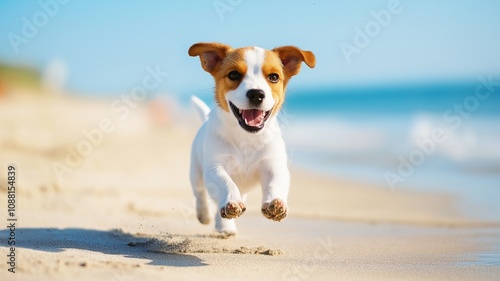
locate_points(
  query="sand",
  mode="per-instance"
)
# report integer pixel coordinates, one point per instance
(126, 212)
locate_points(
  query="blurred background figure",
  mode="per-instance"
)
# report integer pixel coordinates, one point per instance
(54, 76)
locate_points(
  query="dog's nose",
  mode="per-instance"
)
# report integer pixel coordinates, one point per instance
(256, 96)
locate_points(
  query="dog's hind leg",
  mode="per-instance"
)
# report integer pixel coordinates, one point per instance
(202, 201)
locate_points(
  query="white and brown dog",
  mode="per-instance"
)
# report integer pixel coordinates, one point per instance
(240, 144)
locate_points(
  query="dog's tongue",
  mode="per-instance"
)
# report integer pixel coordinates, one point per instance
(253, 117)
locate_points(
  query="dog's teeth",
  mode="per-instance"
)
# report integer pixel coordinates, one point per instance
(241, 111)
(246, 121)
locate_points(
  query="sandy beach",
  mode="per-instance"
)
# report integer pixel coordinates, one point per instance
(126, 211)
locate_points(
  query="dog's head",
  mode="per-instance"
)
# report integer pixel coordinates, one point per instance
(250, 82)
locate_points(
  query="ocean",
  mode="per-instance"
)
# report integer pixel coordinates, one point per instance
(441, 137)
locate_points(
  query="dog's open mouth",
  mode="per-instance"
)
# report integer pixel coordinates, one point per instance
(252, 120)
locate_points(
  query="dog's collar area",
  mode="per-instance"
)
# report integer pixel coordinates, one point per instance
(251, 120)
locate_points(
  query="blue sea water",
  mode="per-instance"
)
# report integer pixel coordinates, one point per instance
(433, 137)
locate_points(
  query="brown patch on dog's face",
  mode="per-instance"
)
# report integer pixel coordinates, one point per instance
(272, 69)
(233, 63)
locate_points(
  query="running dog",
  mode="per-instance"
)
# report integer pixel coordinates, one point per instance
(239, 146)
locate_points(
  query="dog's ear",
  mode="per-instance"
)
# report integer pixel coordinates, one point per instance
(292, 58)
(211, 55)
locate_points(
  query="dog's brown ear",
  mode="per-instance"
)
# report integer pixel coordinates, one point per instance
(211, 54)
(292, 58)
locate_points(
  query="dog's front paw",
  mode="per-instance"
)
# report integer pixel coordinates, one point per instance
(232, 210)
(275, 210)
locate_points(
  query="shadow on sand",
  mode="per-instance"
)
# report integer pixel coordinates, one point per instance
(113, 242)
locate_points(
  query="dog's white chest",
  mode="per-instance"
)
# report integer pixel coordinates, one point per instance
(243, 165)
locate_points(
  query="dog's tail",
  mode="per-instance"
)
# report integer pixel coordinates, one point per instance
(201, 107)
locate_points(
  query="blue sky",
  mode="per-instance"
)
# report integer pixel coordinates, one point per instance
(106, 45)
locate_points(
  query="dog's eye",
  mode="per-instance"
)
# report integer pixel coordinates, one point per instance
(234, 76)
(273, 77)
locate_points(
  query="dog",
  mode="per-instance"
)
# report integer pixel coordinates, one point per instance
(239, 145)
